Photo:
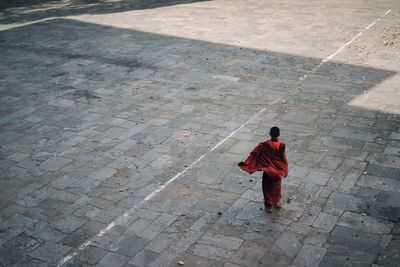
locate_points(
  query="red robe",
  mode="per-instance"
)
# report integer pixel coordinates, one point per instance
(268, 157)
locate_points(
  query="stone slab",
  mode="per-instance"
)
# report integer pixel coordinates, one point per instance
(365, 223)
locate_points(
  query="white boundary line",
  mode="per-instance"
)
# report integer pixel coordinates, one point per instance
(126, 214)
(358, 35)
(11, 26)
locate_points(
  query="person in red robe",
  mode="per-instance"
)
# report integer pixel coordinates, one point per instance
(270, 158)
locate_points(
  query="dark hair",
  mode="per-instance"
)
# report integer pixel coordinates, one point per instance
(274, 132)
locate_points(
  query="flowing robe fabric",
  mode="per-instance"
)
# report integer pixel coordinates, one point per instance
(268, 158)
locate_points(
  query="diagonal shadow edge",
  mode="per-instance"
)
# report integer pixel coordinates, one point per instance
(129, 62)
(9, 38)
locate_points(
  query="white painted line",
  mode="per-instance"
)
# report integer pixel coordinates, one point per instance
(126, 214)
(226, 77)
(358, 35)
(6, 27)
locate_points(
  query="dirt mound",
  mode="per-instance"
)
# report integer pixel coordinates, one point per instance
(391, 36)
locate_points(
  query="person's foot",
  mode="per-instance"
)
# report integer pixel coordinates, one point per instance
(268, 208)
(278, 207)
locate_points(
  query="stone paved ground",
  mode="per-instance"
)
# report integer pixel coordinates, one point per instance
(102, 103)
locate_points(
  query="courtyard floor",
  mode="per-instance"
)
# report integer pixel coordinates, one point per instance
(122, 123)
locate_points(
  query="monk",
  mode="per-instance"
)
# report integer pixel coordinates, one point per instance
(270, 158)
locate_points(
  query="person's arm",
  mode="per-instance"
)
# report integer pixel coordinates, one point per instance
(256, 150)
(284, 158)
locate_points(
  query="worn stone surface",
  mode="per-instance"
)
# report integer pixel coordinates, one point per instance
(325, 221)
(354, 239)
(102, 103)
(390, 255)
(128, 245)
(309, 255)
(91, 255)
(365, 223)
(50, 252)
(344, 256)
(113, 259)
(287, 244)
(250, 253)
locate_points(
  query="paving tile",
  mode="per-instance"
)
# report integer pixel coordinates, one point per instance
(10, 256)
(193, 260)
(91, 255)
(46, 233)
(383, 171)
(18, 156)
(350, 179)
(242, 147)
(365, 223)
(15, 225)
(318, 176)
(103, 174)
(310, 214)
(87, 212)
(67, 224)
(50, 252)
(143, 258)
(139, 226)
(343, 256)
(260, 233)
(77, 237)
(28, 261)
(354, 133)
(316, 237)
(381, 183)
(380, 204)
(384, 160)
(354, 239)
(309, 255)
(249, 253)
(113, 259)
(339, 202)
(226, 242)
(12, 210)
(161, 242)
(325, 221)
(213, 253)
(179, 247)
(288, 244)
(279, 260)
(109, 214)
(27, 201)
(230, 264)
(54, 164)
(63, 182)
(128, 245)
(212, 206)
(390, 256)
(158, 225)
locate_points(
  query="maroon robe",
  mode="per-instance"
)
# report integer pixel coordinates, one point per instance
(268, 158)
